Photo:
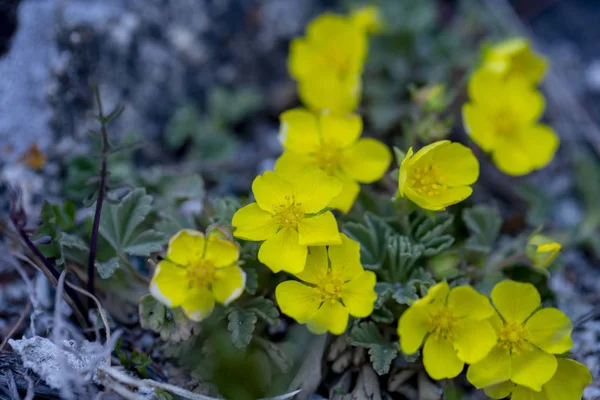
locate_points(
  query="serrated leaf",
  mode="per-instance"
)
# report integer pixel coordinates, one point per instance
(401, 257)
(483, 223)
(57, 218)
(171, 324)
(73, 242)
(372, 236)
(152, 313)
(430, 231)
(366, 335)
(251, 280)
(382, 357)
(241, 325)
(121, 225)
(382, 315)
(107, 268)
(264, 309)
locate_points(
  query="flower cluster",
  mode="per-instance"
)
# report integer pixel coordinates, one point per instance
(505, 107)
(512, 349)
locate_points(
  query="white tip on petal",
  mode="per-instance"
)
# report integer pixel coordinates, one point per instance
(283, 130)
(237, 292)
(196, 316)
(155, 292)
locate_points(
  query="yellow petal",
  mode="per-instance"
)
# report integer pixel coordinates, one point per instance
(413, 325)
(512, 158)
(473, 340)
(515, 301)
(169, 284)
(479, 126)
(283, 253)
(525, 104)
(422, 201)
(540, 143)
(569, 381)
(436, 295)
(198, 304)
(427, 152)
(291, 163)
(403, 173)
(440, 359)
(494, 369)
(297, 300)
(220, 252)
(332, 317)
(345, 200)
(319, 230)
(436, 202)
(367, 160)
(228, 284)
(367, 18)
(316, 266)
(326, 91)
(500, 390)
(345, 259)
(523, 393)
(271, 190)
(304, 59)
(459, 165)
(359, 294)
(186, 247)
(340, 131)
(532, 368)
(253, 223)
(314, 189)
(467, 302)
(299, 130)
(483, 82)
(550, 330)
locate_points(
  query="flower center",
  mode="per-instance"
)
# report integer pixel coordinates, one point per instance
(328, 157)
(288, 214)
(330, 288)
(201, 273)
(513, 337)
(504, 124)
(443, 323)
(427, 179)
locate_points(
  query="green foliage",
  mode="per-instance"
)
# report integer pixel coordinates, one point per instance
(242, 321)
(483, 223)
(171, 324)
(372, 236)
(382, 353)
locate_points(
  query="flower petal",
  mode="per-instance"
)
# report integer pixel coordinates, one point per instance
(540, 142)
(271, 190)
(532, 368)
(479, 126)
(569, 381)
(314, 189)
(332, 317)
(345, 200)
(500, 390)
(328, 91)
(550, 330)
(297, 300)
(316, 265)
(198, 304)
(283, 253)
(436, 295)
(494, 369)
(345, 258)
(367, 160)
(319, 230)
(291, 162)
(413, 325)
(253, 223)
(512, 158)
(460, 167)
(169, 284)
(523, 393)
(440, 359)
(221, 252)
(403, 173)
(186, 247)
(228, 284)
(515, 301)
(467, 302)
(473, 340)
(299, 130)
(340, 131)
(359, 294)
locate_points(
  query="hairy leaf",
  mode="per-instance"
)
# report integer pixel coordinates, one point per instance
(107, 268)
(241, 325)
(484, 225)
(382, 353)
(264, 309)
(373, 239)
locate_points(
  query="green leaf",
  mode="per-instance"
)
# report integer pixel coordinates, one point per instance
(232, 106)
(241, 325)
(382, 353)
(251, 280)
(431, 232)
(382, 315)
(373, 239)
(224, 208)
(152, 313)
(107, 268)
(264, 309)
(401, 257)
(182, 126)
(171, 324)
(483, 223)
(57, 218)
(587, 170)
(121, 225)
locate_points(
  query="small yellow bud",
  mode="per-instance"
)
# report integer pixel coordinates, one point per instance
(542, 250)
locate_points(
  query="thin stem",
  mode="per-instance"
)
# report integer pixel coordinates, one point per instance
(100, 200)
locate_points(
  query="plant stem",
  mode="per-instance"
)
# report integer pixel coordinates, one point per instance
(100, 200)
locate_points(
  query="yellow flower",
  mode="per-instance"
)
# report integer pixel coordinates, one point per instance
(568, 383)
(196, 272)
(328, 62)
(542, 250)
(332, 143)
(454, 326)
(367, 18)
(515, 59)
(334, 286)
(438, 175)
(501, 119)
(290, 215)
(527, 339)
